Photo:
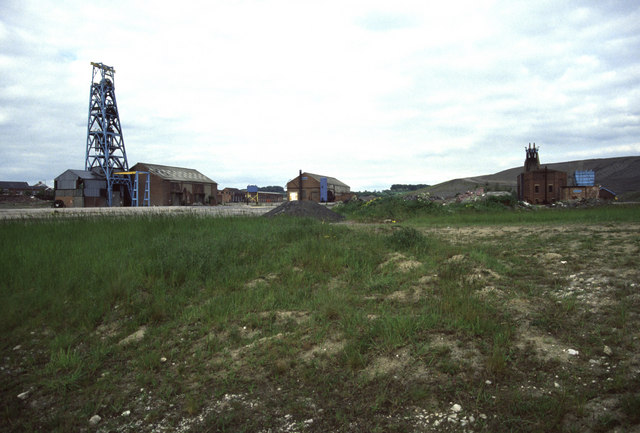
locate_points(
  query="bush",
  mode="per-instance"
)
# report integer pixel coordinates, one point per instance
(505, 200)
(408, 238)
(421, 205)
(45, 194)
(394, 208)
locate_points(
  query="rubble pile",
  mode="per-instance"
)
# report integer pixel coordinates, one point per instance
(308, 209)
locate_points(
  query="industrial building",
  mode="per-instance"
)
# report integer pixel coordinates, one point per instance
(14, 187)
(318, 188)
(249, 195)
(254, 195)
(175, 186)
(84, 188)
(574, 192)
(270, 197)
(232, 195)
(585, 188)
(544, 186)
(23, 188)
(539, 185)
(264, 197)
(166, 186)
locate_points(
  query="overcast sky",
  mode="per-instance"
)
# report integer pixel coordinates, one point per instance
(370, 92)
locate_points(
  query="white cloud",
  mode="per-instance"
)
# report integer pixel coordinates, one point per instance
(604, 152)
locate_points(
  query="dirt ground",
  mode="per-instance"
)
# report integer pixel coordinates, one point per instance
(592, 274)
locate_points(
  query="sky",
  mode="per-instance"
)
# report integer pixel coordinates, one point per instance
(371, 92)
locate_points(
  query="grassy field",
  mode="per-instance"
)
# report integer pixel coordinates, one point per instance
(474, 320)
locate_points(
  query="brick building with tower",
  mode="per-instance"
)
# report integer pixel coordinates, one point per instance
(538, 185)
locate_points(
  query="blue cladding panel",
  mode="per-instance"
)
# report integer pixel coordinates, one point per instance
(585, 178)
(252, 188)
(323, 189)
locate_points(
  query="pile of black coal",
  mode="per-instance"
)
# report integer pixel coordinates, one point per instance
(305, 209)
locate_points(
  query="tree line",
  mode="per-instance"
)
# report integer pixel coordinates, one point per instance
(407, 187)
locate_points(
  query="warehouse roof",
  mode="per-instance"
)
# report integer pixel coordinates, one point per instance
(14, 185)
(330, 180)
(81, 174)
(178, 174)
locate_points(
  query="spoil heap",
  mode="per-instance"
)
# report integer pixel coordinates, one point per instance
(305, 209)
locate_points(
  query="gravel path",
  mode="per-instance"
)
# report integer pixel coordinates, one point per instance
(230, 210)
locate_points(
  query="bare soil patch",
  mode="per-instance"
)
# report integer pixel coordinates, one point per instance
(576, 313)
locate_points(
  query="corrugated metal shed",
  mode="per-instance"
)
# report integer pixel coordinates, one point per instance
(91, 181)
(176, 174)
(80, 188)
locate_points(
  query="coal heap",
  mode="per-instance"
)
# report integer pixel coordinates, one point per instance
(308, 209)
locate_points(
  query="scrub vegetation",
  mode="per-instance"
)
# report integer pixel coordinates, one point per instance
(475, 320)
(489, 210)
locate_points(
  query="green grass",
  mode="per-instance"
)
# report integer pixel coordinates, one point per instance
(261, 323)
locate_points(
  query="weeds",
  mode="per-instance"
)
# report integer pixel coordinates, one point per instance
(409, 239)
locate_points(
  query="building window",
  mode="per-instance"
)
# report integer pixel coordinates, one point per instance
(550, 188)
(536, 189)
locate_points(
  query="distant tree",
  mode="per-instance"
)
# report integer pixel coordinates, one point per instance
(271, 189)
(45, 194)
(384, 193)
(397, 187)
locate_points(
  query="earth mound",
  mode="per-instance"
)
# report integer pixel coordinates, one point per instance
(305, 209)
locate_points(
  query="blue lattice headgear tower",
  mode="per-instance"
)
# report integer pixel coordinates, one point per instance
(105, 144)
